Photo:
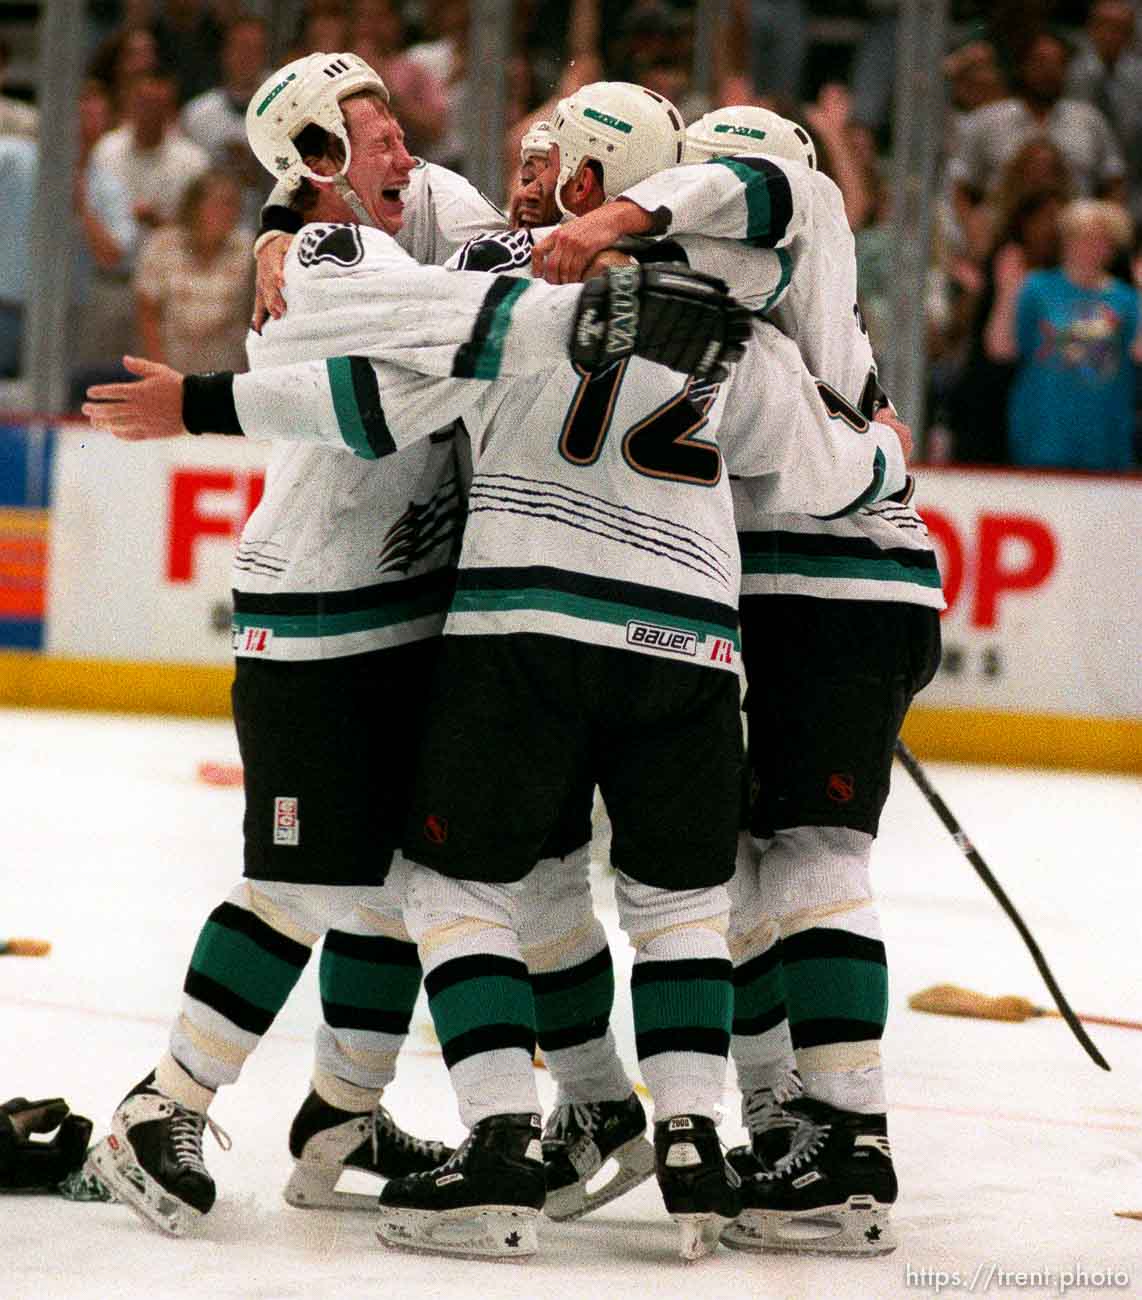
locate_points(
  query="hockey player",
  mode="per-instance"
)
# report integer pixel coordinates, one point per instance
(609, 529)
(531, 203)
(341, 578)
(805, 932)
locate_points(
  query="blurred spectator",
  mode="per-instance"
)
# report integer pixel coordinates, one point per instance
(1107, 72)
(16, 117)
(216, 120)
(324, 29)
(189, 36)
(119, 61)
(1026, 239)
(988, 136)
(418, 97)
(656, 51)
(974, 79)
(18, 155)
(1038, 165)
(583, 64)
(102, 241)
(1074, 332)
(148, 154)
(445, 57)
(194, 281)
(874, 67)
(777, 41)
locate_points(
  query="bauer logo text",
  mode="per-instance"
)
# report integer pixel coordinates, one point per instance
(671, 639)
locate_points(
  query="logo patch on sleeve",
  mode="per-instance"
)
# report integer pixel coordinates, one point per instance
(287, 824)
(339, 244)
(251, 640)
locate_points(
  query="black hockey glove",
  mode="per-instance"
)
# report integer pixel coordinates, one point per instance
(661, 312)
(29, 1165)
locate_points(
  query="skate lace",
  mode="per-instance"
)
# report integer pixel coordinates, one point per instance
(385, 1125)
(808, 1142)
(186, 1129)
(572, 1116)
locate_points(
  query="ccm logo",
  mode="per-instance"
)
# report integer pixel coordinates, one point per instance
(662, 638)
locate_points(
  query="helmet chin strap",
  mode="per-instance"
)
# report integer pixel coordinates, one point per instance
(351, 197)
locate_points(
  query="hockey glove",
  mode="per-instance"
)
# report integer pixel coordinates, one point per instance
(30, 1165)
(663, 313)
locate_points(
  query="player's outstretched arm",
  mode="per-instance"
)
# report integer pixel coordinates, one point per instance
(139, 410)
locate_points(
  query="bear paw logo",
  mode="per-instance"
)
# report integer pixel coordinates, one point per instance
(339, 244)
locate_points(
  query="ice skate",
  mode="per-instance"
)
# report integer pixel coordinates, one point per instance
(152, 1159)
(700, 1190)
(579, 1140)
(325, 1141)
(482, 1203)
(773, 1130)
(831, 1195)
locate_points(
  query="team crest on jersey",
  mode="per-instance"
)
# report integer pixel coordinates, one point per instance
(498, 252)
(340, 244)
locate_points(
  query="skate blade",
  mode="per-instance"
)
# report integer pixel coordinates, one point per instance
(476, 1232)
(861, 1226)
(112, 1162)
(635, 1160)
(314, 1187)
(699, 1234)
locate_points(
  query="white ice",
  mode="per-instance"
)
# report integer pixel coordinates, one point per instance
(1013, 1149)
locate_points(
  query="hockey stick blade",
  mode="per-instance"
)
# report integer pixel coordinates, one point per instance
(24, 947)
(912, 766)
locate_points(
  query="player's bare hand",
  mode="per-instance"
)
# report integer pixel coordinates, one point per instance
(886, 415)
(605, 260)
(149, 407)
(269, 300)
(563, 257)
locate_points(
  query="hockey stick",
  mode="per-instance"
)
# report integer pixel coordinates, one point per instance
(941, 809)
(950, 1000)
(24, 947)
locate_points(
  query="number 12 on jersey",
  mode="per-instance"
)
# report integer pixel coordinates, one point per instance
(661, 445)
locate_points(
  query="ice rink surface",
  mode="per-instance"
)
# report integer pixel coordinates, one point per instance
(1013, 1149)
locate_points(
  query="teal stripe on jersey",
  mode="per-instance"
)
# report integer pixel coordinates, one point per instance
(759, 209)
(345, 405)
(484, 601)
(883, 569)
(879, 466)
(488, 361)
(786, 264)
(344, 622)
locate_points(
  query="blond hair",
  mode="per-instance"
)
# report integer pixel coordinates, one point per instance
(1113, 219)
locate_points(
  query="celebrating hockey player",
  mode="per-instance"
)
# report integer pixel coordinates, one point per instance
(822, 725)
(415, 1209)
(334, 629)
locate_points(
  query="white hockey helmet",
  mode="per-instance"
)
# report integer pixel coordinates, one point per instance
(537, 141)
(744, 128)
(305, 92)
(629, 130)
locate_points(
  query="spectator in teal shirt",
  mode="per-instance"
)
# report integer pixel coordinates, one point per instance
(1077, 341)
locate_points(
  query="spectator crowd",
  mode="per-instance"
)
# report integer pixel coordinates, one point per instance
(1032, 297)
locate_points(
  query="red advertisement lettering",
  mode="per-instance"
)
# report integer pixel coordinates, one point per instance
(950, 551)
(997, 574)
(190, 519)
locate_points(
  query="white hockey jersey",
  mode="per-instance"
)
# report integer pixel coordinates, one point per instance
(803, 277)
(345, 554)
(600, 508)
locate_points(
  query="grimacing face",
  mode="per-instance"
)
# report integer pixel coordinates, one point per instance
(379, 165)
